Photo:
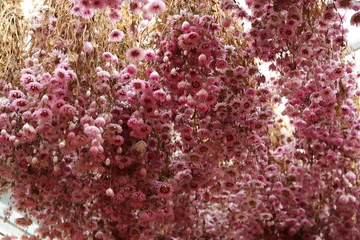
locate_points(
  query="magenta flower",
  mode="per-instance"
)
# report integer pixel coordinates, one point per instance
(164, 190)
(135, 54)
(116, 36)
(156, 7)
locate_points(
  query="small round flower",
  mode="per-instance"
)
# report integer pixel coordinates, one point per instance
(88, 47)
(156, 7)
(131, 69)
(117, 140)
(242, 217)
(159, 95)
(20, 104)
(87, 13)
(193, 37)
(164, 190)
(114, 16)
(116, 35)
(85, 3)
(135, 54)
(124, 162)
(15, 94)
(154, 76)
(252, 202)
(344, 4)
(23, 222)
(109, 192)
(138, 85)
(343, 199)
(27, 78)
(98, 4)
(125, 77)
(61, 74)
(29, 131)
(106, 56)
(221, 64)
(149, 55)
(76, 11)
(34, 88)
(355, 19)
(67, 110)
(43, 115)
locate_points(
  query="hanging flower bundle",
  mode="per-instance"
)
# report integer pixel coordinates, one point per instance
(153, 120)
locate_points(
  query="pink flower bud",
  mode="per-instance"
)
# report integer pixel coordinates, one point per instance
(203, 94)
(109, 192)
(185, 26)
(143, 172)
(343, 199)
(62, 145)
(88, 47)
(154, 76)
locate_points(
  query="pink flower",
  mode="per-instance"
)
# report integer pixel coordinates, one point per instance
(135, 54)
(87, 13)
(149, 55)
(355, 19)
(20, 104)
(344, 4)
(343, 199)
(15, 94)
(138, 85)
(98, 4)
(116, 35)
(27, 78)
(117, 140)
(43, 115)
(154, 76)
(85, 3)
(61, 74)
(109, 192)
(160, 95)
(156, 7)
(125, 77)
(67, 110)
(131, 69)
(106, 56)
(76, 11)
(34, 88)
(164, 190)
(29, 131)
(114, 16)
(125, 162)
(193, 37)
(88, 47)
(221, 64)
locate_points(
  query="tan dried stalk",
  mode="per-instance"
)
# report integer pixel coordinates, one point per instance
(12, 40)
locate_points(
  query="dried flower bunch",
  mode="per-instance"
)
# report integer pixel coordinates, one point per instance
(151, 119)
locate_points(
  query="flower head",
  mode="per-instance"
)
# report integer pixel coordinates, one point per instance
(149, 55)
(135, 54)
(164, 190)
(116, 35)
(355, 19)
(98, 4)
(20, 104)
(114, 16)
(88, 47)
(156, 7)
(76, 11)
